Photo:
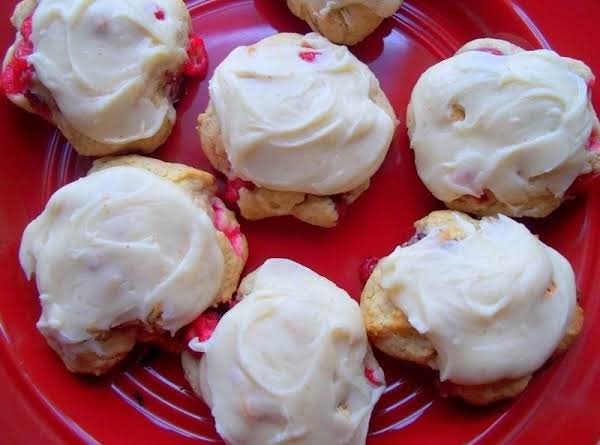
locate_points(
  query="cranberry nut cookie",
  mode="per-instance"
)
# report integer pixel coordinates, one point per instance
(113, 265)
(279, 369)
(298, 125)
(344, 21)
(484, 302)
(497, 129)
(105, 72)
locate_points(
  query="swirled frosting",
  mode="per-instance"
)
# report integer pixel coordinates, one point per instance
(517, 125)
(107, 250)
(383, 8)
(280, 369)
(296, 114)
(106, 63)
(495, 304)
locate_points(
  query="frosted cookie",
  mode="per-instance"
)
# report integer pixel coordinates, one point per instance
(484, 302)
(344, 21)
(497, 129)
(279, 368)
(298, 125)
(105, 72)
(132, 252)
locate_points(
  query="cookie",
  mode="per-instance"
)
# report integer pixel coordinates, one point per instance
(114, 267)
(279, 369)
(497, 129)
(346, 22)
(94, 72)
(298, 125)
(484, 302)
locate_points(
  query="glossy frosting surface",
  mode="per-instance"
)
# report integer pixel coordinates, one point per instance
(106, 63)
(107, 251)
(296, 114)
(494, 305)
(281, 369)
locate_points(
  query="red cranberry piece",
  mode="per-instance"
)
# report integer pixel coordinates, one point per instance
(309, 56)
(233, 187)
(371, 376)
(203, 327)
(366, 268)
(197, 64)
(17, 75)
(26, 27)
(493, 51)
(159, 13)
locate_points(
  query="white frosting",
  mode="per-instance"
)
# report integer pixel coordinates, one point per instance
(295, 125)
(527, 122)
(287, 364)
(107, 250)
(483, 301)
(383, 8)
(105, 61)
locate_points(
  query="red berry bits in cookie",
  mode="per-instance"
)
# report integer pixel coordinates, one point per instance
(309, 56)
(27, 27)
(17, 75)
(197, 64)
(159, 13)
(374, 376)
(203, 327)
(233, 187)
(366, 268)
(230, 229)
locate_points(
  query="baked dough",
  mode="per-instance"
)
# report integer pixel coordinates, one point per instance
(108, 79)
(497, 129)
(280, 369)
(299, 119)
(113, 267)
(346, 22)
(465, 297)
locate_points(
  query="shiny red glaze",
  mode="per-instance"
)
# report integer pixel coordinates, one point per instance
(197, 64)
(148, 402)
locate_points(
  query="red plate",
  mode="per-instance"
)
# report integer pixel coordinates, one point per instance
(148, 402)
